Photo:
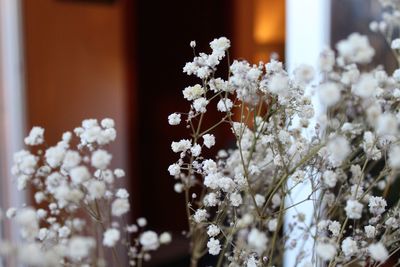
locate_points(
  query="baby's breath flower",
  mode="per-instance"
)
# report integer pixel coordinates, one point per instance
(120, 206)
(149, 240)
(101, 159)
(325, 251)
(214, 247)
(35, 136)
(165, 238)
(174, 119)
(209, 140)
(378, 252)
(353, 209)
(111, 237)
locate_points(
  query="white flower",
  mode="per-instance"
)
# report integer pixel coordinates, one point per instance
(338, 149)
(178, 188)
(272, 225)
(196, 150)
(142, 222)
(257, 240)
(329, 93)
(351, 76)
(394, 156)
(132, 228)
(55, 155)
(42, 234)
(224, 105)
(96, 189)
(329, 178)
(252, 262)
(369, 146)
(22, 182)
(192, 44)
(276, 200)
(369, 231)
(386, 124)
(26, 217)
(181, 146)
(71, 159)
(79, 174)
(214, 247)
(101, 159)
(174, 119)
(226, 184)
(119, 173)
(200, 104)
(304, 73)
(122, 193)
(64, 232)
(119, 207)
(353, 209)
(210, 200)
(374, 26)
(79, 247)
(107, 123)
(396, 75)
(28, 221)
(41, 213)
(366, 86)
(149, 240)
(392, 223)
(213, 230)
(193, 92)
(35, 136)
(165, 238)
(377, 205)
(209, 166)
(260, 200)
(110, 237)
(236, 199)
(334, 227)
(356, 49)
(200, 215)
(24, 163)
(174, 169)
(378, 252)
(349, 246)
(279, 84)
(325, 251)
(91, 132)
(220, 44)
(395, 44)
(11, 212)
(211, 180)
(31, 255)
(209, 140)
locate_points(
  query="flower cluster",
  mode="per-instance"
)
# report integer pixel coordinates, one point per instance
(78, 207)
(347, 153)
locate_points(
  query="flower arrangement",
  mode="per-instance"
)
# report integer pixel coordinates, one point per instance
(346, 153)
(79, 214)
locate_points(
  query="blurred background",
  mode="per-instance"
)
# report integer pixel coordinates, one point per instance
(62, 61)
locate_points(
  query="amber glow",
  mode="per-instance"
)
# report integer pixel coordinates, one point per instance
(269, 21)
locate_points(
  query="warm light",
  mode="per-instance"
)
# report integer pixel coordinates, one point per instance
(269, 21)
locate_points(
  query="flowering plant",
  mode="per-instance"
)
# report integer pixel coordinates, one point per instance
(346, 154)
(78, 216)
